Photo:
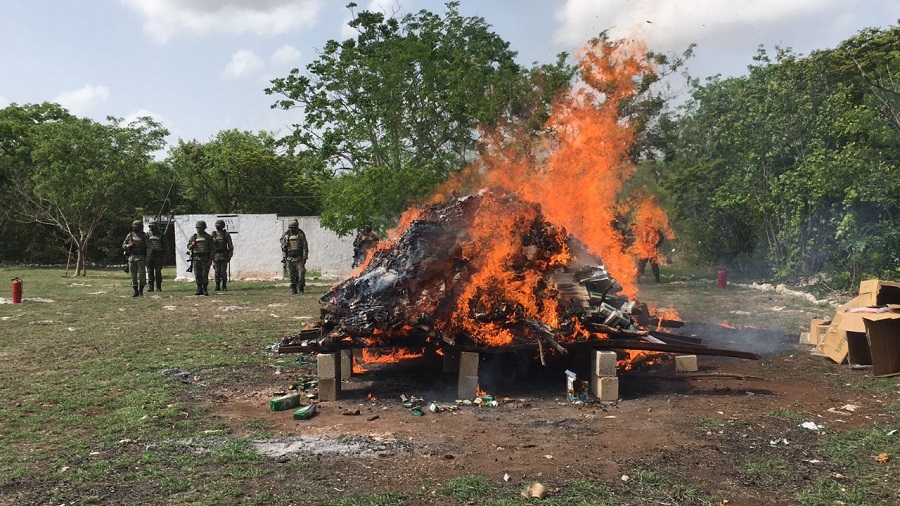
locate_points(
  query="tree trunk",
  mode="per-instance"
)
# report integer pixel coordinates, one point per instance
(79, 258)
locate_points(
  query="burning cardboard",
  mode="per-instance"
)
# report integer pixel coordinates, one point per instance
(485, 270)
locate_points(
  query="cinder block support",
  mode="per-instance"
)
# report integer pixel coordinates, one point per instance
(604, 384)
(468, 375)
(451, 361)
(346, 364)
(329, 372)
(603, 363)
(605, 388)
(686, 363)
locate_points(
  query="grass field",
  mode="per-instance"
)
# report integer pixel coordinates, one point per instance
(99, 400)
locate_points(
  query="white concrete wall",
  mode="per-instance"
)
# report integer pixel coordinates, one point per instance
(257, 250)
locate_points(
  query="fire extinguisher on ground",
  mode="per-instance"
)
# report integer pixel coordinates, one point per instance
(16, 290)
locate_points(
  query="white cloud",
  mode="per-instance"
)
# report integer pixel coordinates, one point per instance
(81, 101)
(671, 26)
(285, 55)
(163, 19)
(244, 63)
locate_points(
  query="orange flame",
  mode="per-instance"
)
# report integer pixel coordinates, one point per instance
(371, 356)
(669, 314)
(371, 397)
(571, 176)
(650, 227)
(479, 392)
(636, 357)
(357, 367)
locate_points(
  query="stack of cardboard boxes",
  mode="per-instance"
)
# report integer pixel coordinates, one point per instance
(864, 331)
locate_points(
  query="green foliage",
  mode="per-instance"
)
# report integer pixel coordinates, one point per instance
(242, 172)
(75, 174)
(405, 99)
(797, 160)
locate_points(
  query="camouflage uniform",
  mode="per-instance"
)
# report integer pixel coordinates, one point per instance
(200, 245)
(366, 240)
(223, 249)
(135, 245)
(156, 248)
(296, 251)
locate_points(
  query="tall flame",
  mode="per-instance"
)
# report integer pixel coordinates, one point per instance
(576, 171)
(571, 176)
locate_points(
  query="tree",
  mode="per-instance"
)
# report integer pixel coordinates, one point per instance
(79, 174)
(797, 161)
(243, 172)
(404, 99)
(16, 146)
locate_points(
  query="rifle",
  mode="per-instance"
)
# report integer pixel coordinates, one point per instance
(190, 262)
(126, 261)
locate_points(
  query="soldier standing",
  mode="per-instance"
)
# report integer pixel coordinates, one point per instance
(135, 246)
(156, 248)
(223, 249)
(200, 247)
(365, 240)
(296, 251)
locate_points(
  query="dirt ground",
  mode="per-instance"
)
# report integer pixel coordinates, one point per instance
(699, 429)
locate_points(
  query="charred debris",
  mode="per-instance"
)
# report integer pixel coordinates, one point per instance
(486, 273)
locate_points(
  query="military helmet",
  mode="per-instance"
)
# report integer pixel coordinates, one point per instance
(201, 224)
(293, 223)
(137, 223)
(220, 223)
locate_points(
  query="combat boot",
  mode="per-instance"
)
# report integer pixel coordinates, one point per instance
(150, 288)
(224, 285)
(301, 288)
(159, 286)
(206, 290)
(218, 287)
(199, 290)
(293, 289)
(135, 291)
(141, 292)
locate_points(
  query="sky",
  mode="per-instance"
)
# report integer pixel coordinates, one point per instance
(200, 66)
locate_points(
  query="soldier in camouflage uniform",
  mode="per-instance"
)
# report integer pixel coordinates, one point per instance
(200, 246)
(365, 240)
(135, 246)
(296, 251)
(223, 249)
(156, 248)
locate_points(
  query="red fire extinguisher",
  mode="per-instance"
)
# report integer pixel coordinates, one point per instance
(17, 290)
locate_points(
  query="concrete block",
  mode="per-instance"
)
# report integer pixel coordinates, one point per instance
(329, 389)
(468, 363)
(451, 361)
(328, 365)
(603, 363)
(686, 363)
(467, 387)
(605, 388)
(346, 363)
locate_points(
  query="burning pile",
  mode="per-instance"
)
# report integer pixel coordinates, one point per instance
(460, 275)
(502, 268)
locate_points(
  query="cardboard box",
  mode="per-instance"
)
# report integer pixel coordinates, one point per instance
(874, 292)
(817, 329)
(883, 334)
(835, 346)
(859, 330)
